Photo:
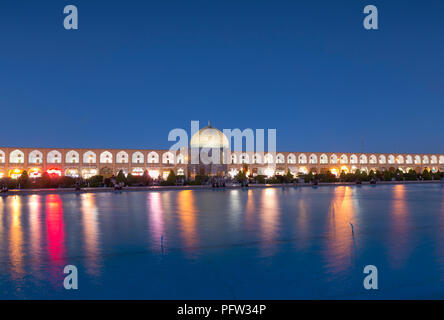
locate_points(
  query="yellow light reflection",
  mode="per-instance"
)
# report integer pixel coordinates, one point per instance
(156, 218)
(16, 239)
(339, 252)
(399, 226)
(187, 217)
(90, 232)
(35, 230)
(249, 209)
(268, 220)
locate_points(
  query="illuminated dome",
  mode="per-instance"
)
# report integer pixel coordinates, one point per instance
(209, 137)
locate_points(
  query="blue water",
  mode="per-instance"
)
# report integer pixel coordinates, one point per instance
(269, 243)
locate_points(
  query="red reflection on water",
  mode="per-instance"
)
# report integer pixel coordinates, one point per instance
(55, 228)
(339, 252)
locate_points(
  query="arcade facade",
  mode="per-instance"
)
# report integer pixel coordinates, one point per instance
(158, 163)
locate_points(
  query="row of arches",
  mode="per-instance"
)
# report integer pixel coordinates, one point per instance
(303, 158)
(87, 173)
(54, 156)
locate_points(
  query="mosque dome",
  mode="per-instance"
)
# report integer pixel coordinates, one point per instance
(209, 137)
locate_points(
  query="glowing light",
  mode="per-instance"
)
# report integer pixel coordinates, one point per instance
(165, 175)
(334, 171)
(55, 230)
(303, 170)
(35, 173)
(233, 172)
(72, 173)
(344, 168)
(54, 172)
(88, 173)
(137, 172)
(154, 174)
(15, 173)
(269, 172)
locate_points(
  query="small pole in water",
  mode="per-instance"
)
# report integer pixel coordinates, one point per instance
(161, 242)
(351, 224)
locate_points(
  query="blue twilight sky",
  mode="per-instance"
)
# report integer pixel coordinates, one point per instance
(136, 69)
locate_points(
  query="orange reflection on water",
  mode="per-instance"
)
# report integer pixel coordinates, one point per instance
(1, 218)
(187, 217)
(399, 223)
(156, 217)
(91, 232)
(55, 228)
(16, 239)
(249, 209)
(339, 248)
(268, 219)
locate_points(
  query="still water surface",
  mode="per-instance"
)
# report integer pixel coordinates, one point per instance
(269, 243)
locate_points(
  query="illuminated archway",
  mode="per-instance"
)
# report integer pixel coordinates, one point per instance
(54, 156)
(106, 157)
(137, 157)
(122, 157)
(35, 157)
(291, 158)
(16, 156)
(153, 157)
(72, 157)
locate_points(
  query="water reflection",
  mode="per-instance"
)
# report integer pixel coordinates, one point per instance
(269, 220)
(35, 230)
(283, 236)
(187, 218)
(90, 232)
(340, 240)
(235, 208)
(1, 219)
(156, 219)
(16, 239)
(399, 212)
(249, 210)
(55, 230)
(301, 229)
